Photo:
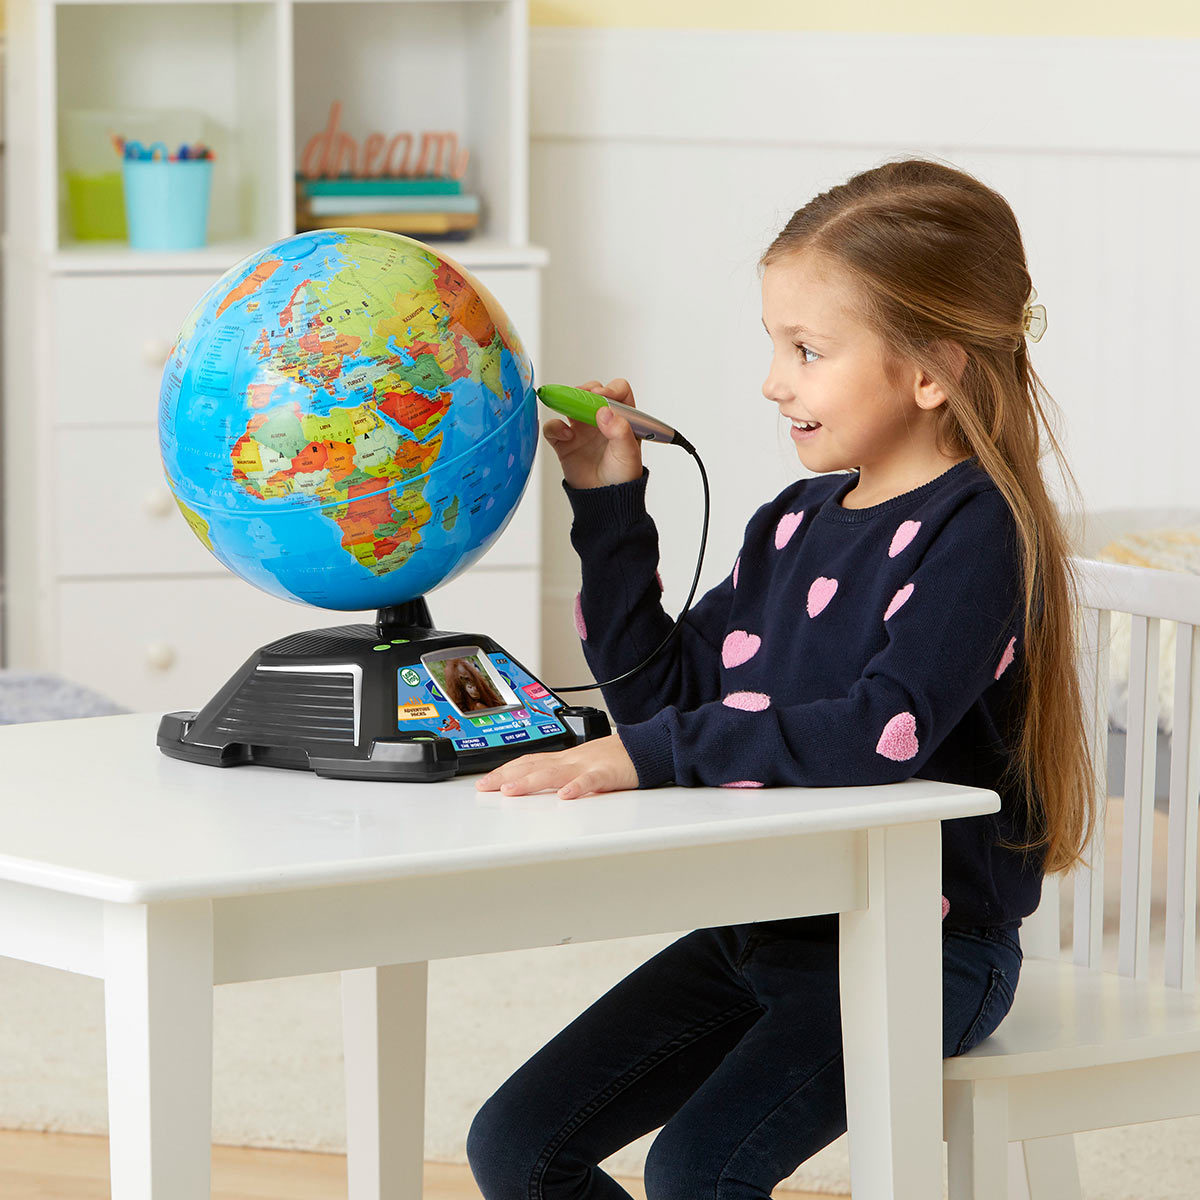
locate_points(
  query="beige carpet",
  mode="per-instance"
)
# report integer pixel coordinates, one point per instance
(277, 1060)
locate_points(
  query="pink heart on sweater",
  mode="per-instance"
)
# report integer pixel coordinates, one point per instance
(904, 534)
(737, 563)
(788, 524)
(739, 647)
(899, 738)
(747, 701)
(945, 907)
(580, 627)
(1006, 658)
(743, 783)
(898, 599)
(820, 594)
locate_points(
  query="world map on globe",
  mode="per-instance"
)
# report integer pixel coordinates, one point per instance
(347, 419)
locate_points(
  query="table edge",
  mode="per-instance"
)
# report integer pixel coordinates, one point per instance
(969, 802)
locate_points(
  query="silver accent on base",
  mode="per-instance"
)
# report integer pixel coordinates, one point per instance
(352, 669)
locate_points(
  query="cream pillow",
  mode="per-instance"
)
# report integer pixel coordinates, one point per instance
(1176, 549)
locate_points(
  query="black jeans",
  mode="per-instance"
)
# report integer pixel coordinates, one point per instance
(730, 1039)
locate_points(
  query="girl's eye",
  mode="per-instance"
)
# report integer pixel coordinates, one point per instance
(803, 347)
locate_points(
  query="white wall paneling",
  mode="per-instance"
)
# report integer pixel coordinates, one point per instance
(665, 161)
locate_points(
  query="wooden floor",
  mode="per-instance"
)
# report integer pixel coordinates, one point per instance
(72, 1166)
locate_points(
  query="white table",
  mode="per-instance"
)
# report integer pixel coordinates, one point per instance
(164, 878)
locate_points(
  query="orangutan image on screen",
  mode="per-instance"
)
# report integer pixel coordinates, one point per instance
(468, 687)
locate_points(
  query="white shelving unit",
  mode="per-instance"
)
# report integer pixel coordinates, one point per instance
(104, 582)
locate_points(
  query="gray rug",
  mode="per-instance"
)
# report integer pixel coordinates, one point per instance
(30, 696)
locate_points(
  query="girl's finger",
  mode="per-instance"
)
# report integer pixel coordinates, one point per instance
(581, 785)
(621, 390)
(514, 769)
(496, 776)
(612, 424)
(532, 781)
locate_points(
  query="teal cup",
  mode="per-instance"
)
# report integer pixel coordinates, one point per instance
(166, 203)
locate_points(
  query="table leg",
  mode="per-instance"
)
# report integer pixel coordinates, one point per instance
(383, 1032)
(891, 1002)
(158, 1012)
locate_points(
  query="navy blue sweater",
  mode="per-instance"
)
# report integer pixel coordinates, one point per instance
(845, 647)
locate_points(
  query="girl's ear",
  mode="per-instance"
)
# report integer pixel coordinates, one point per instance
(929, 393)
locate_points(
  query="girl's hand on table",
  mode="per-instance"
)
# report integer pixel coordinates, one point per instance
(601, 765)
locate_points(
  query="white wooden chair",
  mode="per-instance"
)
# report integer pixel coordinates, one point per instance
(1082, 1047)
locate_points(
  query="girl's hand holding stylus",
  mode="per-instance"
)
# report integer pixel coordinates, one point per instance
(601, 765)
(601, 454)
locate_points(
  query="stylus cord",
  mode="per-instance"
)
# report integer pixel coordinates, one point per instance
(679, 440)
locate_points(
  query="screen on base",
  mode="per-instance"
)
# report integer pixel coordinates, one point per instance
(476, 699)
(469, 681)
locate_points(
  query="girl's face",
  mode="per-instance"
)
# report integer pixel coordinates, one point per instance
(828, 367)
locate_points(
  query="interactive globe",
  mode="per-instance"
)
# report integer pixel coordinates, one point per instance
(347, 419)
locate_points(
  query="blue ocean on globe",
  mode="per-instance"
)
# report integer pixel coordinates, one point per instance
(347, 419)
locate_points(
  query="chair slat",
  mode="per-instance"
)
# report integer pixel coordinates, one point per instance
(1095, 636)
(1180, 947)
(1149, 596)
(1137, 840)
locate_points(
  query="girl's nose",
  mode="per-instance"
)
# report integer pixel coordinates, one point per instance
(773, 390)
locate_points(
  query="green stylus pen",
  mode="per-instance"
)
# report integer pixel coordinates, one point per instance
(582, 405)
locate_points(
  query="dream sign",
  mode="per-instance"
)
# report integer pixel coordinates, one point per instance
(333, 152)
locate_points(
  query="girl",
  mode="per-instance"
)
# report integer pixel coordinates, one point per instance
(912, 617)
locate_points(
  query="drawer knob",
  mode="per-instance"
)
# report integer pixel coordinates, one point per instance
(160, 656)
(158, 503)
(156, 351)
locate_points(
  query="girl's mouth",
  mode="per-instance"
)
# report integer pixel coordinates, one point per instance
(802, 431)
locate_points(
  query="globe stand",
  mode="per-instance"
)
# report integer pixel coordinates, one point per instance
(397, 700)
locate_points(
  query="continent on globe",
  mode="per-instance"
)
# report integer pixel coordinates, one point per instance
(197, 522)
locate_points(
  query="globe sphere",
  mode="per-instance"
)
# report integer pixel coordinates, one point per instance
(347, 419)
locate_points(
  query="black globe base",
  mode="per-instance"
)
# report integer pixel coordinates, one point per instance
(397, 700)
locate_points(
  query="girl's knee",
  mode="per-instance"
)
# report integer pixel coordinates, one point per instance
(499, 1158)
(678, 1172)
(683, 1164)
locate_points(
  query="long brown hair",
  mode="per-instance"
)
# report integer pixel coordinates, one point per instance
(936, 258)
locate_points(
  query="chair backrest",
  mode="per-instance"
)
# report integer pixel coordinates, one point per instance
(1150, 597)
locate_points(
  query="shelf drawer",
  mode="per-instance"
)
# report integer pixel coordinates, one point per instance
(167, 644)
(115, 514)
(122, 327)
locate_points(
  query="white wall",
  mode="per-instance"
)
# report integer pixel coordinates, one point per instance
(2, 224)
(664, 162)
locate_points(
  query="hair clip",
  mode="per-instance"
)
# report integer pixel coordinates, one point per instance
(1034, 317)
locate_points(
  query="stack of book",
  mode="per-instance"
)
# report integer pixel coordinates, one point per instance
(429, 206)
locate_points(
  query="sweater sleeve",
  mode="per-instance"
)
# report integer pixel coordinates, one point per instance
(619, 614)
(953, 637)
